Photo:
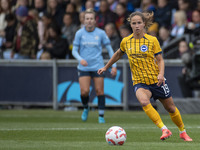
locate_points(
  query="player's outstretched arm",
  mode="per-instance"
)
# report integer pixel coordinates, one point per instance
(116, 56)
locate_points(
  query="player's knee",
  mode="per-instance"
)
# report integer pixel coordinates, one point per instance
(144, 103)
(171, 109)
(99, 92)
(84, 92)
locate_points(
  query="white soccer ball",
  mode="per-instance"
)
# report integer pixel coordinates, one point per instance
(115, 135)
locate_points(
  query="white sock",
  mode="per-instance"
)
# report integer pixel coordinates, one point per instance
(182, 131)
(101, 112)
(164, 127)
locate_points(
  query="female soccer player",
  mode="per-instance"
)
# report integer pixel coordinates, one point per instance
(147, 67)
(87, 49)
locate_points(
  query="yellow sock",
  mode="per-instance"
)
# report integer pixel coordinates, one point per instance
(153, 115)
(176, 118)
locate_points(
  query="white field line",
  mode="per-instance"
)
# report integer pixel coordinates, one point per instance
(54, 116)
(71, 129)
(38, 116)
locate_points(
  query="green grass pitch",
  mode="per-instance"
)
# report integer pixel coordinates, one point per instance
(60, 130)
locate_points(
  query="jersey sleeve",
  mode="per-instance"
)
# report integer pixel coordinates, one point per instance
(122, 46)
(76, 45)
(157, 48)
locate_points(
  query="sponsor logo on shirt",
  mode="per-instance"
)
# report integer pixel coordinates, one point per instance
(138, 55)
(90, 43)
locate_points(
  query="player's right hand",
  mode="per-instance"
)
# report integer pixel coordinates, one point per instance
(100, 71)
(161, 80)
(83, 62)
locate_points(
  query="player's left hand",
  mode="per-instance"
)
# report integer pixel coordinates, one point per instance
(102, 70)
(161, 80)
(114, 71)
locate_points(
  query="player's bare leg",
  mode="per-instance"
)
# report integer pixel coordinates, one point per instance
(99, 89)
(143, 96)
(84, 82)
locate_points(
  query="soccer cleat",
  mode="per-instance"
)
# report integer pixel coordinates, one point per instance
(84, 115)
(185, 137)
(166, 133)
(101, 120)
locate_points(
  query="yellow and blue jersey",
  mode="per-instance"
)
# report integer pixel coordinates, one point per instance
(141, 54)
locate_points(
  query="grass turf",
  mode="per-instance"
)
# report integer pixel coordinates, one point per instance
(50, 130)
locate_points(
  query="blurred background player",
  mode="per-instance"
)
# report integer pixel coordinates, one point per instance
(88, 41)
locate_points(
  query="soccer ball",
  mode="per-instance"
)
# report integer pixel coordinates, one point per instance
(115, 135)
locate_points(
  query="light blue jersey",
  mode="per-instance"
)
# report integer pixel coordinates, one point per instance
(89, 45)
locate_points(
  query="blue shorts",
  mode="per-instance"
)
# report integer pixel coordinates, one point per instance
(162, 92)
(92, 74)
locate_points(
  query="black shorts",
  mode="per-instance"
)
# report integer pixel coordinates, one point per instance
(92, 74)
(157, 91)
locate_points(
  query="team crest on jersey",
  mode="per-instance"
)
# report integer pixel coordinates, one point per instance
(143, 48)
(96, 37)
